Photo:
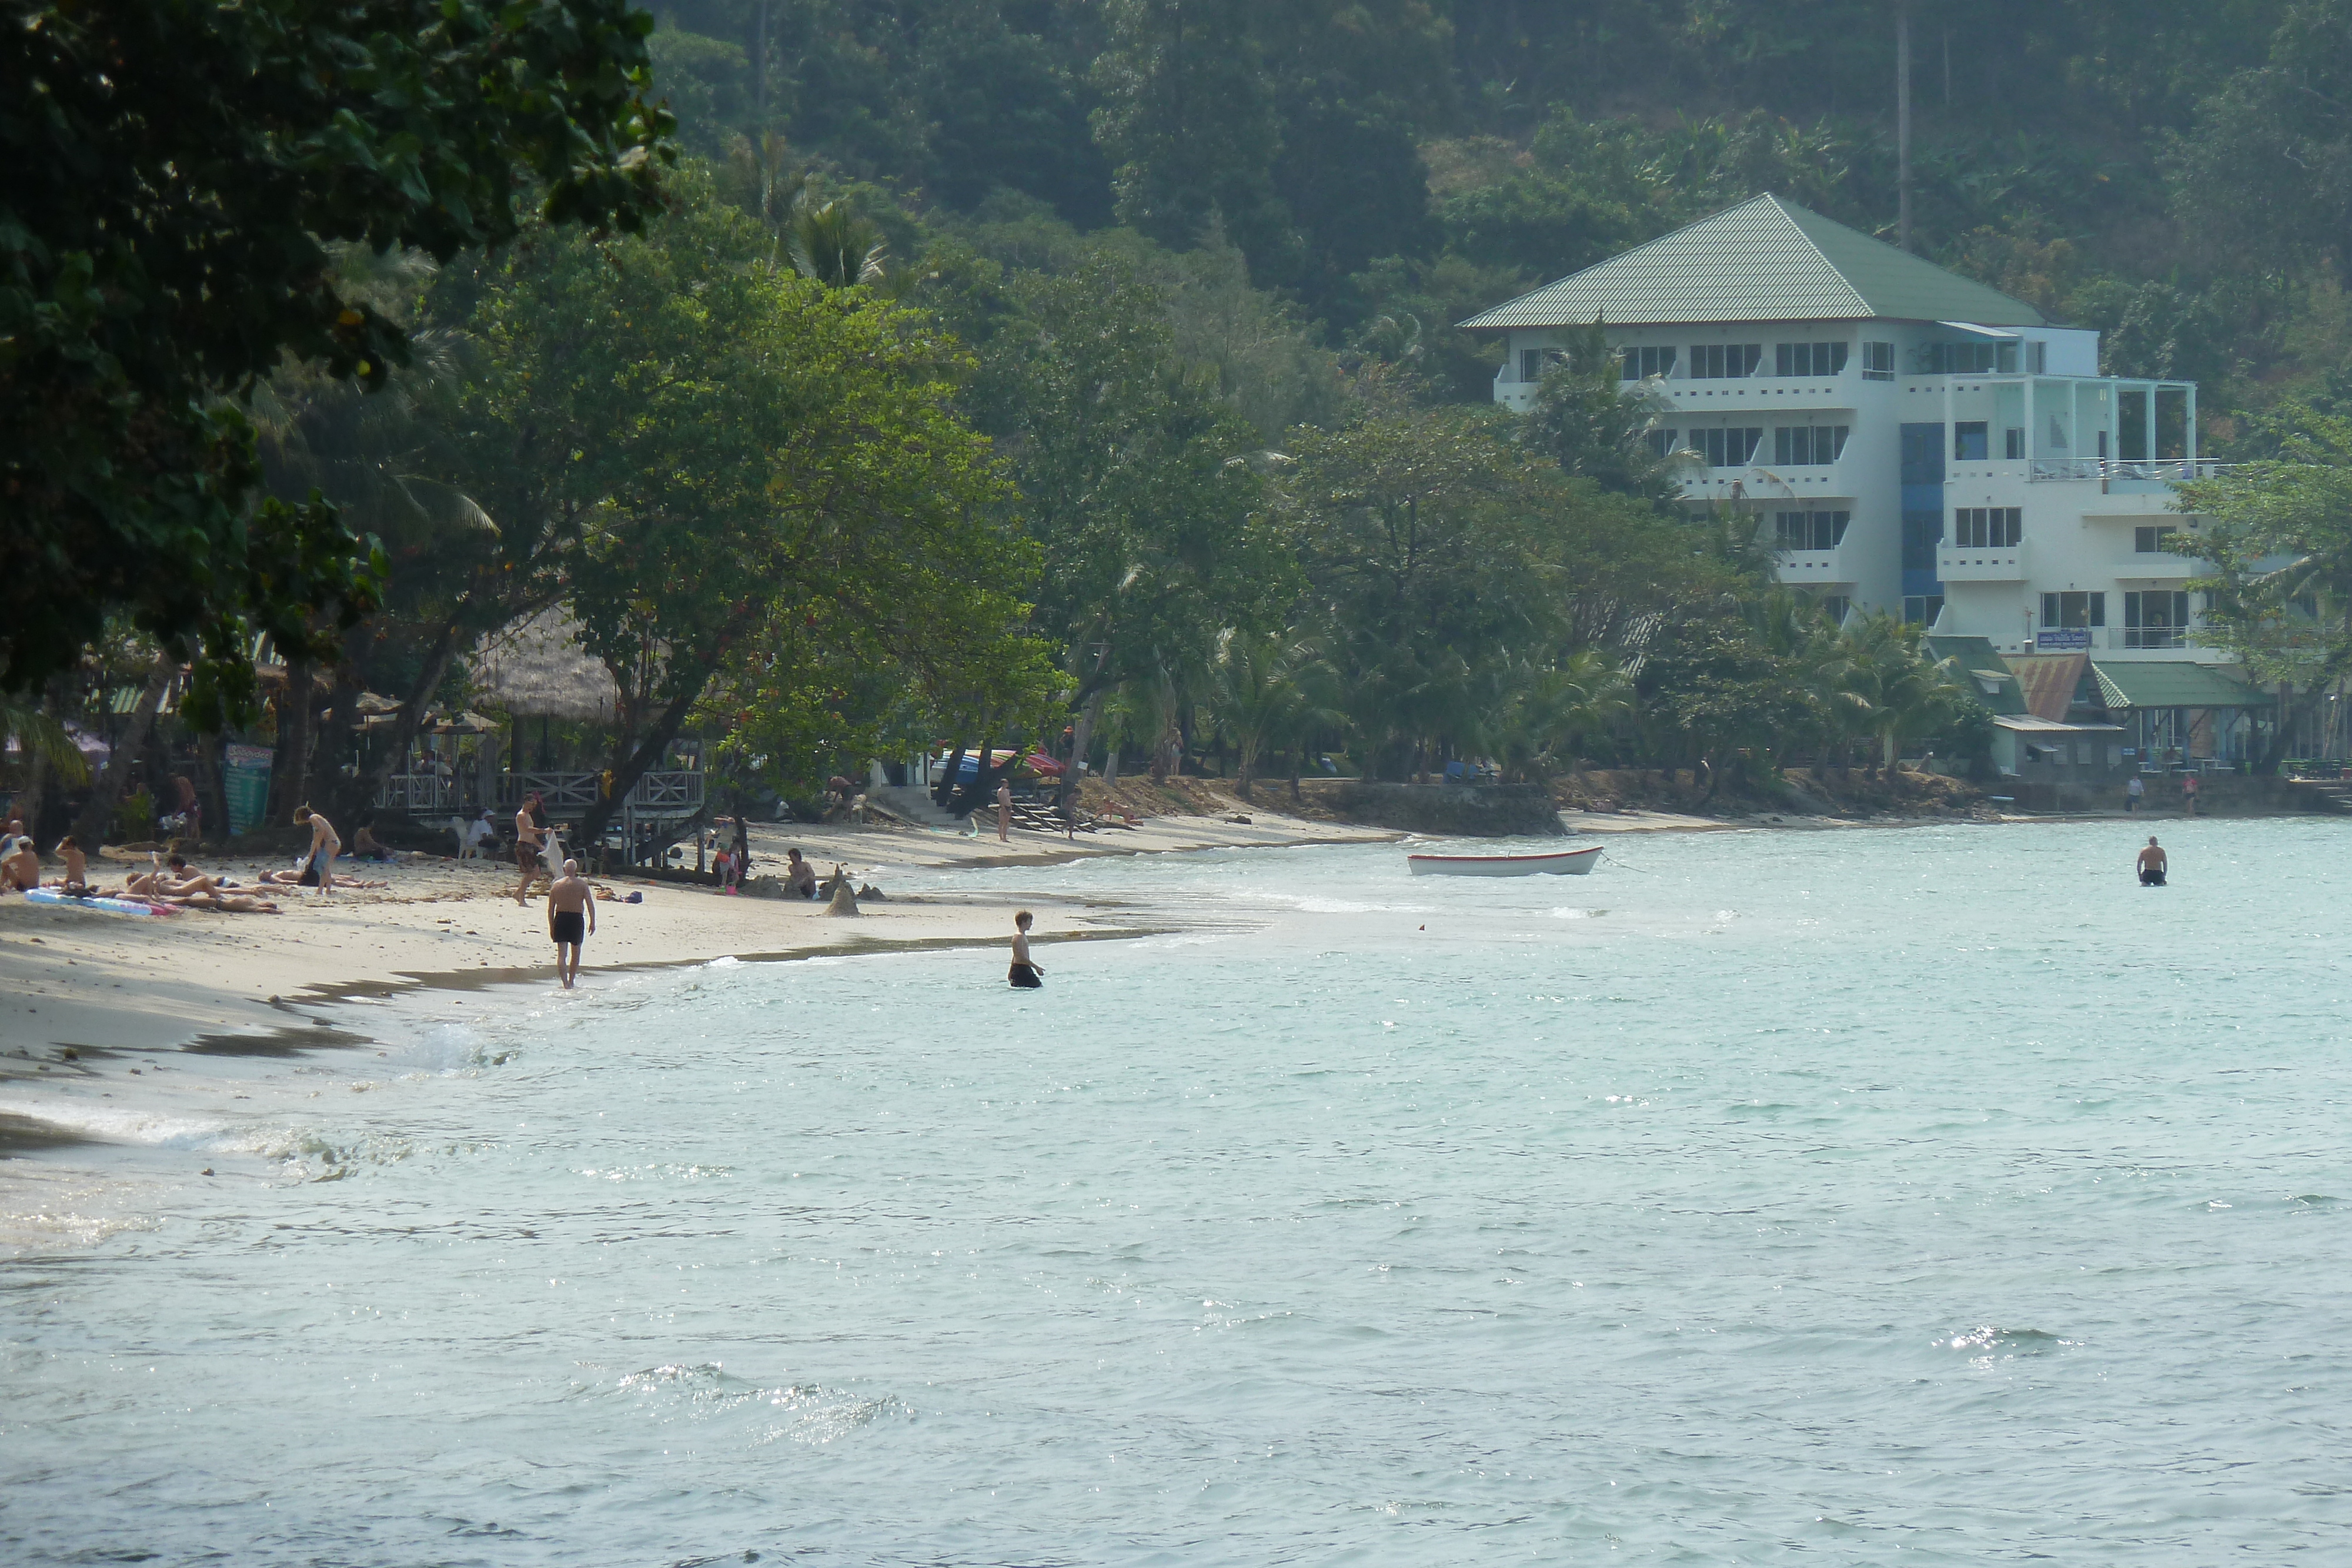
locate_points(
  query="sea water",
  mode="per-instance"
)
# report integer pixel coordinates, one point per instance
(1936, 1197)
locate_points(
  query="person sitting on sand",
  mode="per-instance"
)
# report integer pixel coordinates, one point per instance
(324, 847)
(20, 867)
(2151, 864)
(1025, 976)
(800, 877)
(75, 881)
(570, 901)
(366, 846)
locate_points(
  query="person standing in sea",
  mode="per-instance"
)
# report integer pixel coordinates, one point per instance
(2152, 864)
(571, 902)
(1025, 975)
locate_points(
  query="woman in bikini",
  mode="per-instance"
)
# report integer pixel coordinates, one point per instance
(324, 847)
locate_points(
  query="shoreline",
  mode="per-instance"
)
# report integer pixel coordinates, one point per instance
(88, 999)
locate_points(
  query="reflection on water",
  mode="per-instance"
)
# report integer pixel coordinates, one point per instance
(1938, 1193)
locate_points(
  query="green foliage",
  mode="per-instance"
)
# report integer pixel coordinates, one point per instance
(1139, 482)
(2278, 538)
(1595, 424)
(731, 446)
(176, 173)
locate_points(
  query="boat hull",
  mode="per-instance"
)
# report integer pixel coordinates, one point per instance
(1568, 862)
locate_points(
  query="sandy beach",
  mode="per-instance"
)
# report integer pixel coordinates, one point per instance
(76, 978)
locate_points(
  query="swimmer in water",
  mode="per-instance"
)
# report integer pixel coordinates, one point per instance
(2151, 864)
(1025, 975)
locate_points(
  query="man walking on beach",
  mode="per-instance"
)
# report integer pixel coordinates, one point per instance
(527, 836)
(2151, 864)
(570, 903)
(2188, 792)
(1004, 811)
(2133, 791)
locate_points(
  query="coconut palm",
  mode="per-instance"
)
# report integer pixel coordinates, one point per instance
(1263, 691)
(831, 244)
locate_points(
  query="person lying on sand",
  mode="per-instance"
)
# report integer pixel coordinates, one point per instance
(294, 879)
(175, 879)
(222, 903)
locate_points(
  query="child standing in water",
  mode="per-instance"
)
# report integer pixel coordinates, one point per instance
(1025, 976)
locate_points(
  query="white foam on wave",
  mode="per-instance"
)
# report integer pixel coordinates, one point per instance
(118, 1124)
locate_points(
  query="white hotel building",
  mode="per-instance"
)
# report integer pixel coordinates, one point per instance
(1912, 440)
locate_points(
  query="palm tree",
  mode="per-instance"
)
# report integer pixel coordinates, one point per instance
(831, 244)
(1260, 691)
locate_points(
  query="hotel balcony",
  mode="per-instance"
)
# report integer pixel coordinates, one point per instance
(2009, 564)
(1818, 569)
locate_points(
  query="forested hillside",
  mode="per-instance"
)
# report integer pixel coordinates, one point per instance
(2176, 174)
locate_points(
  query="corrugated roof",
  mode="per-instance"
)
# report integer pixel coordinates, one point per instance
(2174, 682)
(2030, 724)
(2049, 681)
(1763, 260)
(1996, 684)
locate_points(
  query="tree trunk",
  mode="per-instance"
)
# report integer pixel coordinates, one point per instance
(90, 829)
(210, 797)
(943, 793)
(640, 760)
(410, 717)
(1081, 736)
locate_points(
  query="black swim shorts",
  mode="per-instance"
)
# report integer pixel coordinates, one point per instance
(1025, 977)
(570, 926)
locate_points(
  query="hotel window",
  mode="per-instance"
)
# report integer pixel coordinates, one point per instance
(1809, 530)
(1923, 608)
(1968, 444)
(2012, 444)
(1835, 605)
(1986, 528)
(1808, 445)
(2037, 359)
(1534, 363)
(2073, 610)
(1878, 362)
(1661, 442)
(1734, 448)
(1970, 358)
(1641, 363)
(1808, 358)
(2151, 541)
(2156, 620)
(1724, 362)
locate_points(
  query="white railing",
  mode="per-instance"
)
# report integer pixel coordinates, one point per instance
(566, 796)
(2160, 471)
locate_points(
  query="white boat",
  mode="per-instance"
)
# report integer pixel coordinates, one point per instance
(1564, 863)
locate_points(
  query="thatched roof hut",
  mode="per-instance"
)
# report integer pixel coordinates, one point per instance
(535, 668)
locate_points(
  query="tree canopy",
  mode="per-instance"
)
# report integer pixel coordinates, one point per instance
(177, 174)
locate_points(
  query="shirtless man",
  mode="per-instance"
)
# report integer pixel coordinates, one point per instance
(324, 847)
(800, 877)
(528, 835)
(1025, 975)
(570, 903)
(1004, 811)
(20, 868)
(2151, 864)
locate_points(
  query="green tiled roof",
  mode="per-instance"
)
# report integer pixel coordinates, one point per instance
(1994, 684)
(2174, 682)
(1763, 260)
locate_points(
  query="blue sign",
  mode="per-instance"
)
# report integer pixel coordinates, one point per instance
(2063, 638)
